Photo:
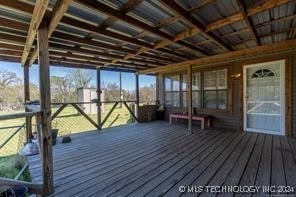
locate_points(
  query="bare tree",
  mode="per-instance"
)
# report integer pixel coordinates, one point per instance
(81, 78)
(8, 78)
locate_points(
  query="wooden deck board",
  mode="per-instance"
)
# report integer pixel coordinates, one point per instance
(154, 159)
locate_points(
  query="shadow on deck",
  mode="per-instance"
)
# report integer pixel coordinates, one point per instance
(156, 159)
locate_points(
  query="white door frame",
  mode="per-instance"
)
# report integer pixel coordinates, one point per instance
(282, 97)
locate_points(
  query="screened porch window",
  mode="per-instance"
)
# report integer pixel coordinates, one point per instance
(209, 90)
(172, 91)
(215, 89)
(196, 90)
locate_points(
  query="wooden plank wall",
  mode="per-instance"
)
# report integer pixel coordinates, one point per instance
(234, 118)
(293, 62)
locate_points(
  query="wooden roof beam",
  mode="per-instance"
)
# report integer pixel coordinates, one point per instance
(201, 5)
(111, 19)
(286, 18)
(37, 16)
(266, 5)
(187, 16)
(57, 14)
(248, 21)
(101, 7)
(228, 56)
(58, 46)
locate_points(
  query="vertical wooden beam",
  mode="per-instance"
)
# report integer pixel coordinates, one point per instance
(99, 102)
(27, 98)
(120, 89)
(45, 102)
(137, 96)
(157, 86)
(189, 98)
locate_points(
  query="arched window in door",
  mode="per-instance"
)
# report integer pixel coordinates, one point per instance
(263, 73)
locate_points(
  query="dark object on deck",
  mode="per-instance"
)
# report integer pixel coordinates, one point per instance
(18, 191)
(54, 136)
(160, 111)
(66, 139)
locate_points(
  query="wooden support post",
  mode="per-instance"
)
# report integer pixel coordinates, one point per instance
(45, 107)
(99, 102)
(137, 96)
(120, 90)
(189, 99)
(29, 134)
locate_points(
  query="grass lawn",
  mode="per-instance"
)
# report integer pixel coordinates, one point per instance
(68, 122)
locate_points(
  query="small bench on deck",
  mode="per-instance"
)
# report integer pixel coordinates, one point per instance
(204, 118)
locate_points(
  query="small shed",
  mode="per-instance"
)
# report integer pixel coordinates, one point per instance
(86, 95)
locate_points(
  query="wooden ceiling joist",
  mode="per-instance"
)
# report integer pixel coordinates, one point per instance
(72, 47)
(266, 5)
(57, 14)
(101, 7)
(278, 20)
(248, 21)
(229, 56)
(187, 16)
(201, 5)
(37, 16)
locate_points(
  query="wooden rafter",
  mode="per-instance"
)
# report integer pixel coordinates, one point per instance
(57, 14)
(248, 21)
(16, 51)
(37, 16)
(101, 7)
(266, 5)
(286, 18)
(230, 56)
(225, 21)
(201, 5)
(144, 52)
(187, 16)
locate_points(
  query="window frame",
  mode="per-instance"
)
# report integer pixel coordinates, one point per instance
(201, 91)
(172, 91)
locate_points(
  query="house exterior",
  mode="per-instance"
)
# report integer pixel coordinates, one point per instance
(254, 94)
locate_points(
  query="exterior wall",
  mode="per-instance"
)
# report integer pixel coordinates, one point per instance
(293, 68)
(234, 117)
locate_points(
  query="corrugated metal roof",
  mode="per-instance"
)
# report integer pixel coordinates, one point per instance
(175, 28)
(219, 10)
(187, 4)
(21, 17)
(123, 28)
(150, 12)
(154, 12)
(85, 14)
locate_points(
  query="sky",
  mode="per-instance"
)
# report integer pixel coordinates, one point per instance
(128, 79)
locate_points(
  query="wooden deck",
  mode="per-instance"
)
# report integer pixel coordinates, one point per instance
(156, 158)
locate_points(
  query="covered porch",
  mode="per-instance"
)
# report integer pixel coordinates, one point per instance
(231, 60)
(155, 159)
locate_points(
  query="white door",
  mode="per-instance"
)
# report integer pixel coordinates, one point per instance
(264, 97)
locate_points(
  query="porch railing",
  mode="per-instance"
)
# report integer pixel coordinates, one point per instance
(34, 188)
(110, 113)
